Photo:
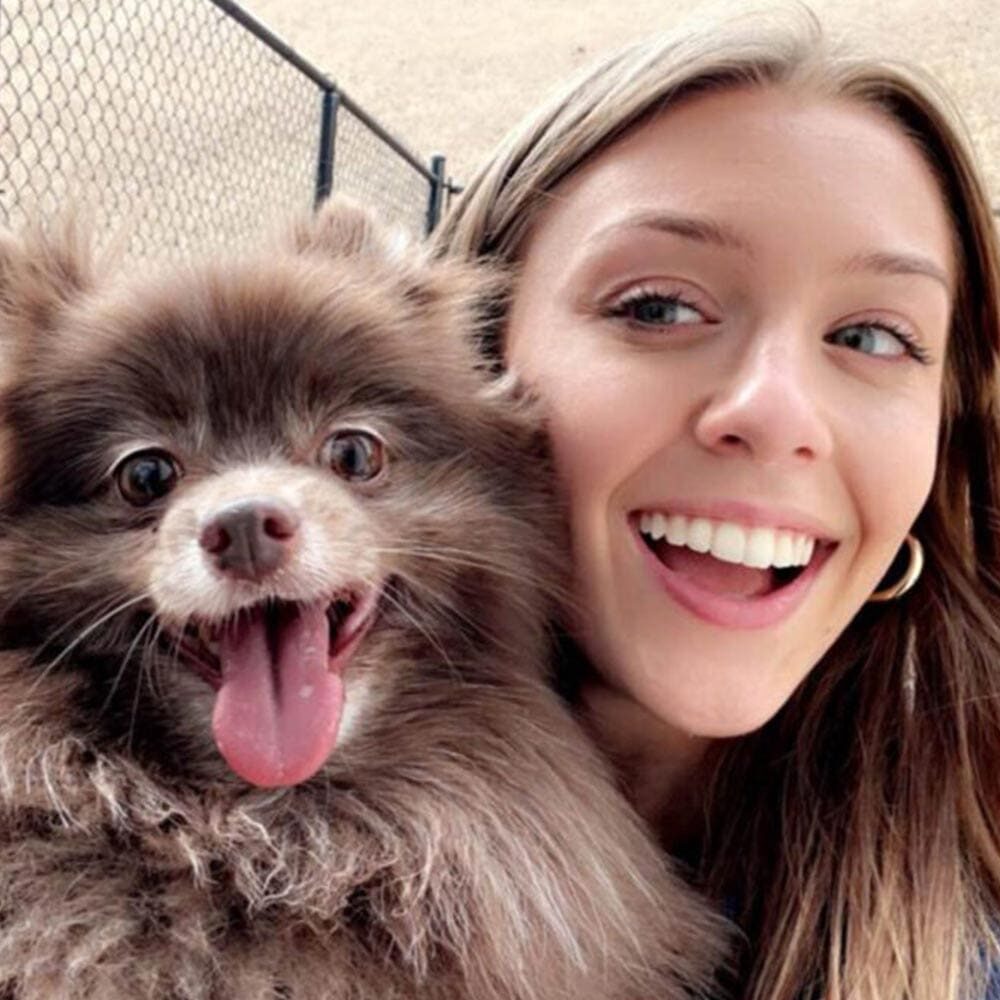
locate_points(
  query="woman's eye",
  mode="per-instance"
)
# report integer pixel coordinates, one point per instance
(871, 338)
(354, 455)
(146, 476)
(652, 309)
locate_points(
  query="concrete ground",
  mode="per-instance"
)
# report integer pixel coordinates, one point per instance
(452, 76)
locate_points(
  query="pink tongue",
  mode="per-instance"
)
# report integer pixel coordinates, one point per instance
(715, 575)
(278, 710)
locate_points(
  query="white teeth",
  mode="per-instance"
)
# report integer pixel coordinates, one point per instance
(759, 552)
(784, 550)
(759, 548)
(729, 542)
(653, 526)
(806, 550)
(699, 535)
(676, 529)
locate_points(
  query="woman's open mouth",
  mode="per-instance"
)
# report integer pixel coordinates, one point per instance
(727, 573)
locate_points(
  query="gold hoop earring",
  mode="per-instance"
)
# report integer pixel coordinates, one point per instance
(909, 578)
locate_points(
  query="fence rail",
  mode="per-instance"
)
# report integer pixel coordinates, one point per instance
(188, 124)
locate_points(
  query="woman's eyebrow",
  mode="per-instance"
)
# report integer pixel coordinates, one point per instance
(691, 227)
(880, 262)
(704, 230)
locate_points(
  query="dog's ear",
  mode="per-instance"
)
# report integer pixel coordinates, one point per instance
(41, 272)
(451, 300)
(341, 227)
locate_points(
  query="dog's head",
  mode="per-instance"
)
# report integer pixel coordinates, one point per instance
(230, 491)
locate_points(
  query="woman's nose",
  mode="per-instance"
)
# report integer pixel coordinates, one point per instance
(767, 407)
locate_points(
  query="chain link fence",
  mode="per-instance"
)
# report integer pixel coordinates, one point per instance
(184, 125)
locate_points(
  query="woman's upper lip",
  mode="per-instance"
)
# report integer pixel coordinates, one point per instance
(751, 515)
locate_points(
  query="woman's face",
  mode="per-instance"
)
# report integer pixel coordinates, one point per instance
(736, 317)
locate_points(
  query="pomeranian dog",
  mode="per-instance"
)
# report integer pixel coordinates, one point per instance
(276, 566)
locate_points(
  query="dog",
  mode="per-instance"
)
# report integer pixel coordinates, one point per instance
(277, 566)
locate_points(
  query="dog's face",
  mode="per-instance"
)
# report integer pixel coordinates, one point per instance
(233, 494)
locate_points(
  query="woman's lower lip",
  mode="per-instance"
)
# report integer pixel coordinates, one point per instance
(733, 612)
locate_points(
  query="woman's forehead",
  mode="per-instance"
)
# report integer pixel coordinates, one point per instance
(744, 168)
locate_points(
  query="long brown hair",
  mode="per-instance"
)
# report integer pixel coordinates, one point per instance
(859, 830)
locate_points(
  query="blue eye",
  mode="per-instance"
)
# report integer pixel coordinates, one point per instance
(655, 309)
(878, 340)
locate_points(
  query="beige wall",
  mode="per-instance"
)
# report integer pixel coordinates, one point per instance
(452, 75)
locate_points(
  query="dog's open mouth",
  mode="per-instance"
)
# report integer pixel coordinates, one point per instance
(348, 614)
(277, 667)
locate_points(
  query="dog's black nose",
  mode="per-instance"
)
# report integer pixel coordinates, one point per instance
(250, 539)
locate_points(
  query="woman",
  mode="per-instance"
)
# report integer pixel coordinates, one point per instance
(757, 292)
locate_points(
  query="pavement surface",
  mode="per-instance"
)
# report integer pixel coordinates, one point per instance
(451, 76)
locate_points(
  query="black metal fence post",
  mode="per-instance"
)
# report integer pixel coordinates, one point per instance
(327, 141)
(436, 198)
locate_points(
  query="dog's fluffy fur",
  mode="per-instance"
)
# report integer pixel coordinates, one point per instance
(462, 839)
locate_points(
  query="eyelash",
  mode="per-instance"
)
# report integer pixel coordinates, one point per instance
(911, 345)
(622, 309)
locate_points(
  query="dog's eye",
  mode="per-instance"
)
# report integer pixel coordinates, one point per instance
(354, 455)
(146, 476)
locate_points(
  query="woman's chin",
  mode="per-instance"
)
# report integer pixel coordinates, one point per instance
(716, 702)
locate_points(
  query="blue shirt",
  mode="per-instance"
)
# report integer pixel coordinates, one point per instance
(993, 986)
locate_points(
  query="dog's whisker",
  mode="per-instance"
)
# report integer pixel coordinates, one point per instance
(120, 607)
(97, 607)
(438, 600)
(418, 625)
(447, 606)
(133, 715)
(462, 557)
(157, 662)
(163, 658)
(127, 656)
(35, 585)
(146, 668)
(41, 585)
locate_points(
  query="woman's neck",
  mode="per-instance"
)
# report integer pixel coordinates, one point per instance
(659, 765)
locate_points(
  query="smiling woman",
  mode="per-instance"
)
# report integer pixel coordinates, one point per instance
(743, 338)
(757, 297)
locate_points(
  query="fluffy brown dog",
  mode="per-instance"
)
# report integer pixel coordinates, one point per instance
(275, 570)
